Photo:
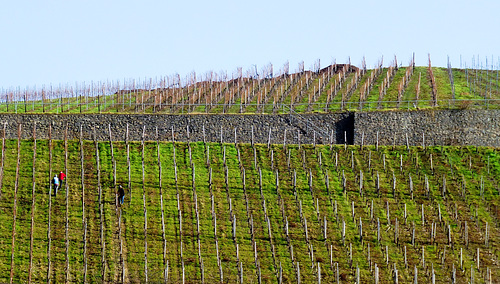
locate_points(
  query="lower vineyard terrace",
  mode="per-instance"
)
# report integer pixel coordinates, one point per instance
(226, 212)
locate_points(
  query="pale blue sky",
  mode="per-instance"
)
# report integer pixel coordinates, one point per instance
(74, 41)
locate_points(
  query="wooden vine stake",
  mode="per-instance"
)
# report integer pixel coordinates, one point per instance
(486, 235)
(128, 165)
(145, 209)
(165, 272)
(84, 220)
(179, 211)
(195, 198)
(66, 228)
(113, 161)
(2, 162)
(14, 214)
(433, 83)
(117, 208)
(32, 204)
(101, 209)
(49, 239)
(417, 89)
(298, 272)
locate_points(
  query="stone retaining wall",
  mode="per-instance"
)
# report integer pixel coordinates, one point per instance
(209, 127)
(435, 127)
(432, 127)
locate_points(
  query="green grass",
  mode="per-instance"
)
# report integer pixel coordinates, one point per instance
(454, 164)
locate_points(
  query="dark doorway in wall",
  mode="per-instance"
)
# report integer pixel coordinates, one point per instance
(345, 129)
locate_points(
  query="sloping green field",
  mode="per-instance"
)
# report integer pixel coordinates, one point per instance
(333, 88)
(210, 213)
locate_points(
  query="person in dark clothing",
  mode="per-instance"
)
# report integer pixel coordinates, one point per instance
(121, 194)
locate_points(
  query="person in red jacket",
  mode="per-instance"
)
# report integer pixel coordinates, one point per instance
(62, 176)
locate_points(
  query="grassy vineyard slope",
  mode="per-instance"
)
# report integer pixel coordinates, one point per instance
(225, 212)
(337, 87)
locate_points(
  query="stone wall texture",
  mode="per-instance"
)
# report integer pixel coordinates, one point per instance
(432, 127)
(211, 128)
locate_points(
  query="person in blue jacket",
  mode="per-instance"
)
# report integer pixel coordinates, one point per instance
(55, 182)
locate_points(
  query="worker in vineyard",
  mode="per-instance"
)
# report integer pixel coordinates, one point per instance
(121, 194)
(62, 176)
(55, 182)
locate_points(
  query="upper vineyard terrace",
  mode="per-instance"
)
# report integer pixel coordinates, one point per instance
(338, 87)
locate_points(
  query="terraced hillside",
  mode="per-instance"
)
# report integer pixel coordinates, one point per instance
(333, 88)
(229, 213)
